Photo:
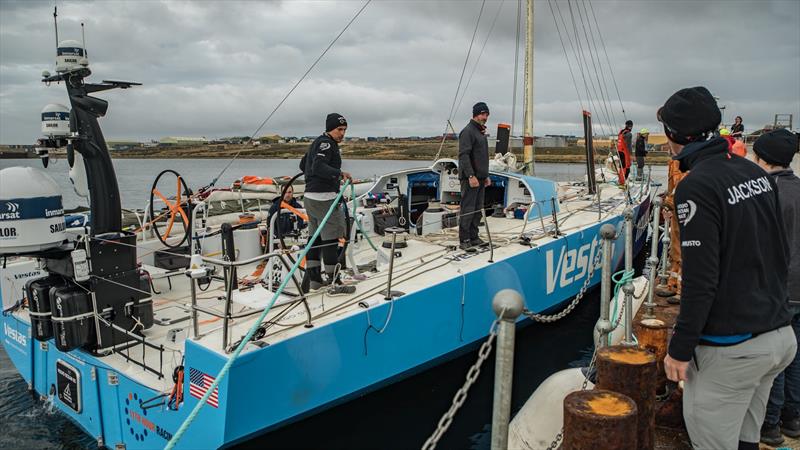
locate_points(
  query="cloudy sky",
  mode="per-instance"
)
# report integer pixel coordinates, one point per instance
(218, 68)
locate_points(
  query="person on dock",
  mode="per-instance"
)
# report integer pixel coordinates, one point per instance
(322, 167)
(774, 152)
(737, 129)
(286, 221)
(732, 336)
(624, 146)
(473, 163)
(673, 288)
(641, 152)
(739, 149)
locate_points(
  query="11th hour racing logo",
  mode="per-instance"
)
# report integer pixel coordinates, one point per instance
(11, 211)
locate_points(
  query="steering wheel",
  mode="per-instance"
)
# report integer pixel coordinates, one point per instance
(175, 207)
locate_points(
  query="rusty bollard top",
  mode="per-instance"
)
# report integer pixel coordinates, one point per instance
(633, 356)
(600, 403)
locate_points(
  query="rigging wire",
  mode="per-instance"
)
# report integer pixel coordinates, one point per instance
(448, 124)
(600, 64)
(585, 64)
(583, 49)
(575, 46)
(466, 60)
(478, 60)
(610, 67)
(563, 47)
(592, 56)
(319, 58)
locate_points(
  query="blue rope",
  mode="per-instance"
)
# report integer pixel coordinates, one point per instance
(193, 415)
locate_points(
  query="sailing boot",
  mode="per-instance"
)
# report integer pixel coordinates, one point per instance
(312, 280)
(771, 435)
(478, 242)
(791, 427)
(337, 287)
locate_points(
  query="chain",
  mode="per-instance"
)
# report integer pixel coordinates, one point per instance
(461, 395)
(563, 313)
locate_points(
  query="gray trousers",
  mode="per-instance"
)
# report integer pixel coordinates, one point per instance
(727, 388)
(469, 213)
(334, 228)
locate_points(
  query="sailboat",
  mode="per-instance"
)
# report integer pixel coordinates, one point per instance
(143, 346)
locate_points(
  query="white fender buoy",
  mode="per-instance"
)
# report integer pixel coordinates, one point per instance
(542, 416)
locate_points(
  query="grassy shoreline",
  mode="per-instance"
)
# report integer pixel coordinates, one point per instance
(387, 150)
(408, 150)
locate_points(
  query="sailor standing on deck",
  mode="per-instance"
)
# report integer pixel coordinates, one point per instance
(774, 152)
(624, 141)
(641, 151)
(732, 335)
(473, 163)
(322, 167)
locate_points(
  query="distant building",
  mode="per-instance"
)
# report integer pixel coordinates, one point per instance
(270, 139)
(122, 145)
(180, 140)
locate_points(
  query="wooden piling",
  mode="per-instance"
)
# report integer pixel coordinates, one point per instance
(599, 419)
(631, 371)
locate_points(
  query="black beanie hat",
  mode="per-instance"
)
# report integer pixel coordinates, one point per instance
(777, 147)
(333, 121)
(689, 115)
(629, 123)
(478, 108)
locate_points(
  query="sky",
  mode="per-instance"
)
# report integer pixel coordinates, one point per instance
(215, 69)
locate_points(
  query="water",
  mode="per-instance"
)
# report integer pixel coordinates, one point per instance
(135, 176)
(400, 416)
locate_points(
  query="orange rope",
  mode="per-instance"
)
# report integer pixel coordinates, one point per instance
(296, 212)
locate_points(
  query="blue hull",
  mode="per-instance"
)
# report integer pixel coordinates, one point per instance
(326, 365)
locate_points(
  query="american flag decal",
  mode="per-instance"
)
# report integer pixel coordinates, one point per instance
(199, 383)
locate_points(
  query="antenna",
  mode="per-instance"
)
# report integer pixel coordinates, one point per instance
(55, 22)
(83, 38)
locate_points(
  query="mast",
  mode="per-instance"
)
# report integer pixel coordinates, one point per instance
(527, 139)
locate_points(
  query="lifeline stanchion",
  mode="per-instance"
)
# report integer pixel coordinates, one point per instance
(627, 289)
(389, 293)
(663, 289)
(507, 305)
(488, 235)
(652, 261)
(603, 326)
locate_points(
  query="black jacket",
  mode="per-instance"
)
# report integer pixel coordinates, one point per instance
(789, 196)
(284, 221)
(734, 250)
(322, 165)
(473, 152)
(641, 146)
